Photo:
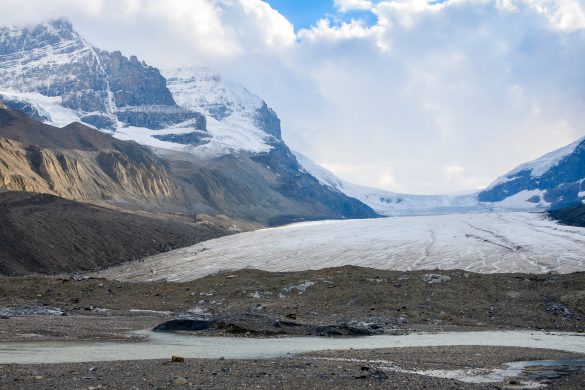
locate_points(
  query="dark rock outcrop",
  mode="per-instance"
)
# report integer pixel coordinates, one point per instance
(159, 117)
(180, 324)
(574, 216)
(267, 121)
(194, 138)
(257, 324)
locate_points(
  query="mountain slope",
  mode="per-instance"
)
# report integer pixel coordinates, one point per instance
(48, 234)
(99, 88)
(555, 180)
(80, 163)
(574, 215)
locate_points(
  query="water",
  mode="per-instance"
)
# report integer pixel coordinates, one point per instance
(164, 345)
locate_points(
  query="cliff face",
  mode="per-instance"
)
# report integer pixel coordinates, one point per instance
(80, 163)
(108, 177)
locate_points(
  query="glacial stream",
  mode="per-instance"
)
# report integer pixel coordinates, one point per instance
(164, 345)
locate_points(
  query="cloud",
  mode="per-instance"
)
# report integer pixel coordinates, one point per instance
(488, 84)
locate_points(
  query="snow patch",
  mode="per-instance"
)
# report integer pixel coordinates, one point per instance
(47, 106)
(527, 200)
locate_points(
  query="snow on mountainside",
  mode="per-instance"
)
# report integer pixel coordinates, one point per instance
(539, 166)
(105, 90)
(55, 76)
(236, 118)
(552, 181)
(391, 203)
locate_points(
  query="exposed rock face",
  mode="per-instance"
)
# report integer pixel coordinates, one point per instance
(134, 83)
(267, 120)
(294, 182)
(195, 138)
(159, 117)
(574, 216)
(80, 163)
(561, 184)
(113, 176)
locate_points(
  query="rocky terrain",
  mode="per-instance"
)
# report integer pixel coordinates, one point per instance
(250, 301)
(42, 233)
(80, 163)
(329, 370)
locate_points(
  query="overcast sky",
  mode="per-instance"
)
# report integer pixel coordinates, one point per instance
(412, 96)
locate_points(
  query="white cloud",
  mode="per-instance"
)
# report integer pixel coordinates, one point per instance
(566, 15)
(486, 83)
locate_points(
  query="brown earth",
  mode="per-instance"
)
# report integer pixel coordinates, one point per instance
(44, 233)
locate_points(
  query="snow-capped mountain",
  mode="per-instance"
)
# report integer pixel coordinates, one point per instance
(221, 142)
(54, 75)
(236, 118)
(552, 181)
(57, 77)
(555, 180)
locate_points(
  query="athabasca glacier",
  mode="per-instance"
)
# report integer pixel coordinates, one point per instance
(484, 243)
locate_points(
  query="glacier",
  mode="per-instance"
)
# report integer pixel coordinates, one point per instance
(484, 243)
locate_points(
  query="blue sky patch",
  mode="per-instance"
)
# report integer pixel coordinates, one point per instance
(305, 13)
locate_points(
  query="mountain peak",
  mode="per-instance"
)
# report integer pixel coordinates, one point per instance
(58, 24)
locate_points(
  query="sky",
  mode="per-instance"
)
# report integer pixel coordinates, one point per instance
(412, 96)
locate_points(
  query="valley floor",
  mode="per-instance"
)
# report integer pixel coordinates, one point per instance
(327, 370)
(248, 303)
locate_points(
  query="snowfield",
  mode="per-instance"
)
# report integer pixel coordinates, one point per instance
(485, 243)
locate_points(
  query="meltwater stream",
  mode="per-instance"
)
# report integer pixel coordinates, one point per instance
(164, 345)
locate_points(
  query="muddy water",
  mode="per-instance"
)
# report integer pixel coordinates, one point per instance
(163, 346)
